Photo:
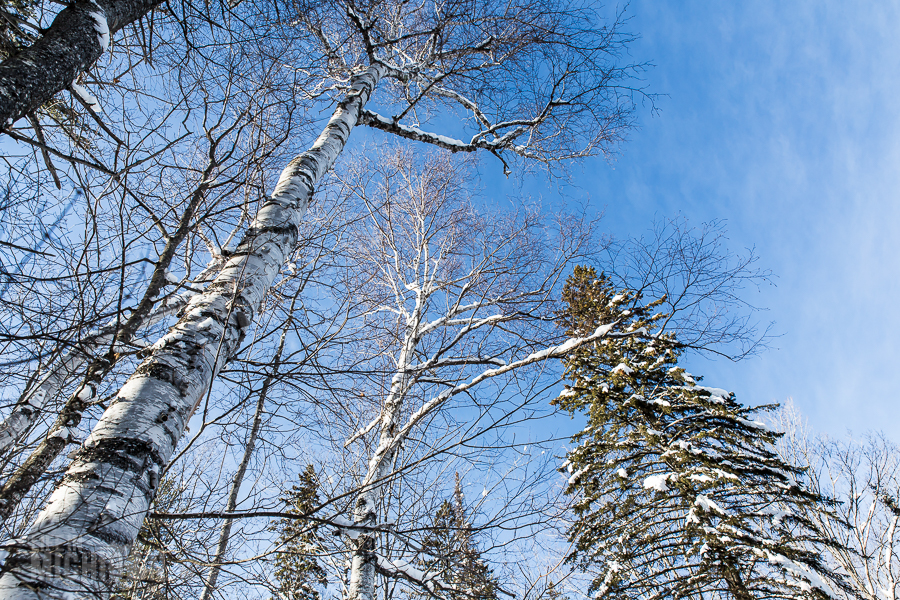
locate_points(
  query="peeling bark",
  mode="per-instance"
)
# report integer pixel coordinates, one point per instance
(74, 41)
(93, 516)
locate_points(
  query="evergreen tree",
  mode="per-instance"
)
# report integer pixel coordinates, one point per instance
(679, 490)
(298, 574)
(452, 551)
(552, 592)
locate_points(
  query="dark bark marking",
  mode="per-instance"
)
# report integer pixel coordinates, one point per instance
(165, 373)
(128, 454)
(289, 231)
(110, 537)
(67, 557)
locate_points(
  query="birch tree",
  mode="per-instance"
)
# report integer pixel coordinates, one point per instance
(863, 474)
(458, 306)
(135, 271)
(252, 423)
(46, 50)
(471, 428)
(197, 211)
(179, 203)
(474, 54)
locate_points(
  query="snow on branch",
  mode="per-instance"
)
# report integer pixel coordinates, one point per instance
(101, 26)
(363, 431)
(400, 568)
(458, 361)
(505, 142)
(803, 577)
(373, 119)
(503, 134)
(470, 324)
(86, 97)
(352, 529)
(552, 352)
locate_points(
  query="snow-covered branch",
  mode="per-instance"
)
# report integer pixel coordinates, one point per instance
(400, 568)
(552, 352)
(377, 121)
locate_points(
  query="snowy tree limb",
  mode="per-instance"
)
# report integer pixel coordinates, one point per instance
(552, 352)
(401, 569)
(79, 34)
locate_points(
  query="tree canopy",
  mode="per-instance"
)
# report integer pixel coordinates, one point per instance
(208, 280)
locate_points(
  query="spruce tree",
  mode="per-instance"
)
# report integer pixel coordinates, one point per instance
(679, 491)
(552, 592)
(298, 574)
(451, 550)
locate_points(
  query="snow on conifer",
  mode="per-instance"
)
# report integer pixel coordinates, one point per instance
(707, 507)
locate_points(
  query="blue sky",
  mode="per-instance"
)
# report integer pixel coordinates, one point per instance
(783, 119)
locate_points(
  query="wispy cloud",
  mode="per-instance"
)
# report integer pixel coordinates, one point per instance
(783, 119)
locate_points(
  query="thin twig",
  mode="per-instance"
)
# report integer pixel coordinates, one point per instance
(40, 136)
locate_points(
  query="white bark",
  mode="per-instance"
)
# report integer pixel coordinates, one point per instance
(453, 287)
(364, 560)
(93, 517)
(34, 400)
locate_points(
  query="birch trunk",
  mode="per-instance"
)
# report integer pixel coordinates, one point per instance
(29, 408)
(363, 561)
(61, 432)
(90, 521)
(209, 587)
(30, 405)
(32, 402)
(77, 37)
